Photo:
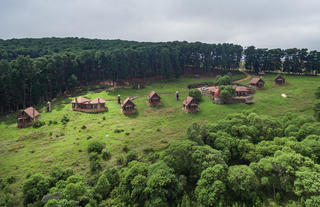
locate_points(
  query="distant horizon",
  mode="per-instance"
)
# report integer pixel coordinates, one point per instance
(244, 46)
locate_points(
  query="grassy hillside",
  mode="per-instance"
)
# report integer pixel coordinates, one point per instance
(29, 150)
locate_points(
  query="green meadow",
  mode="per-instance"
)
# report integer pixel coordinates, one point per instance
(29, 150)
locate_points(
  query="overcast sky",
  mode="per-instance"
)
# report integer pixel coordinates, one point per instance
(263, 23)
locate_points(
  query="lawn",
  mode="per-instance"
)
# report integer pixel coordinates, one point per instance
(29, 150)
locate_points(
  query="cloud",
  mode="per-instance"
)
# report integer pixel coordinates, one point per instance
(263, 23)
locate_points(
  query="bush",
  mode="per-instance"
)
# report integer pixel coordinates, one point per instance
(317, 93)
(147, 150)
(35, 188)
(104, 118)
(38, 124)
(83, 127)
(89, 137)
(118, 130)
(127, 133)
(120, 160)
(125, 149)
(95, 146)
(11, 179)
(196, 94)
(131, 156)
(227, 92)
(95, 162)
(106, 155)
(65, 119)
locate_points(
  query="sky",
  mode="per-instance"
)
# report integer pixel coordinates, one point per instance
(262, 23)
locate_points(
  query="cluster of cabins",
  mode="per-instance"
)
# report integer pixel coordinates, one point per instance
(29, 115)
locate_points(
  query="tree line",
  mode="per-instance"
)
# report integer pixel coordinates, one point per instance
(292, 61)
(243, 160)
(36, 70)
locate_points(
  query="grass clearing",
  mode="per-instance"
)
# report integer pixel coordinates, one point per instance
(31, 150)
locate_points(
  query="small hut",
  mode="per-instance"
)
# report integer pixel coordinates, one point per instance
(190, 105)
(242, 90)
(279, 80)
(80, 104)
(257, 83)
(153, 99)
(27, 117)
(128, 107)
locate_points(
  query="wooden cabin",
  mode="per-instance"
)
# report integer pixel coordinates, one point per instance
(85, 105)
(128, 107)
(257, 83)
(27, 117)
(190, 105)
(242, 90)
(279, 80)
(153, 99)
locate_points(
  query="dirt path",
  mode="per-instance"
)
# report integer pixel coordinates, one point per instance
(248, 76)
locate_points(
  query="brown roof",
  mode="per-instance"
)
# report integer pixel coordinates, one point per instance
(279, 76)
(152, 94)
(188, 100)
(98, 100)
(80, 100)
(255, 80)
(241, 88)
(30, 111)
(126, 101)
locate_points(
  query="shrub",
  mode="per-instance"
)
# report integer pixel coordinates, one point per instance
(227, 92)
(147, 150)
(104, 118)
(94, 162)
(131, 156)
(11, 179)
(83, 127)
(120, 160)
(89, 137)
(106, 155)
(35, 188)
(65, 119)
(196, 94)
(38, 124)
(125, 149)
(118, 130)
(127, 133)
(95, 146)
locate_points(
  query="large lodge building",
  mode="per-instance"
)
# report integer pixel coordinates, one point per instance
(85, 105)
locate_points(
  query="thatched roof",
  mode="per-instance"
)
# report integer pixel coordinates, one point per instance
(80, 100)
(255, 80)
(31, 112)
(98, 100)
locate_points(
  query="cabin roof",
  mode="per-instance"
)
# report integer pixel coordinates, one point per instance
(80, 100)
(98, 100)
(279, 76)
(256, 80)
(152, 94)
(30, 111)
(127, 101)
(188, 100)
(241, 88)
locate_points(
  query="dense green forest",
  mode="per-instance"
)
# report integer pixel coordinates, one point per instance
(33, 71)
(243, 160)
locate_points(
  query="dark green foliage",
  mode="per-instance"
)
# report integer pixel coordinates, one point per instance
(38, 124)
(224, 80)
(11, 179)
(72, 82)
(125, 148)
(131, 156)
(106, 155)
(65, 119)
(60, 203)
(196, 94)
(95, 146)
(316, 109)
(317, 93)
(226, 92)
(35, 188)
(83, 127)
(118, 130)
